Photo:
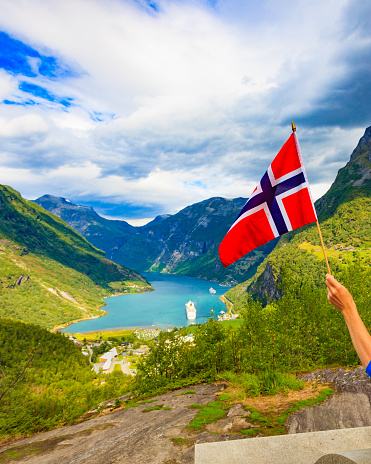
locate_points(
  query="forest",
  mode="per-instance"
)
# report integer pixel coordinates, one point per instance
(263, 354)
(46, 381)
(295, 334)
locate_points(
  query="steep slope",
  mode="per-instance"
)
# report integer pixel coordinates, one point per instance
(185, 243)
(103, 233)
(50, 274)
(353, 180)
(345, 217)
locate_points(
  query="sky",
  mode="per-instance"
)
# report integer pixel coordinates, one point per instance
(143, 107)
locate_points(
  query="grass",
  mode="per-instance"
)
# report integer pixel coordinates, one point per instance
(272, 422)
(249, 432)
(180, 440)
(189, 392)
(103, 334)
(209, 413)
(234, 323)
(264, 383)
(131, 405)
(196, 406)
(133, 359)
(117, 368)
(266, 422)
(159, 407)
(323, 395)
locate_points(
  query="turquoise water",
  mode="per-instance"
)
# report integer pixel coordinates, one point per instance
(164, 307)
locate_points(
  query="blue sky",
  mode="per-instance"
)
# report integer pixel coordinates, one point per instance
(140, 108)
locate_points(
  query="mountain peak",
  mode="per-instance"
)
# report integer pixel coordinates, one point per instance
(363, 149)
(353, 180)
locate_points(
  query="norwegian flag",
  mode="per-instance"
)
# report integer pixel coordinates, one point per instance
(280, 203)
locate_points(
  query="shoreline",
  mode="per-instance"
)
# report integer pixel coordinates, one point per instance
(115, 329)
(228, 304)
(57, 328)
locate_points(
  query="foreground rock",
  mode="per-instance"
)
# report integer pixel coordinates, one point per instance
(133, 436)
(348, 407)
(125, 436)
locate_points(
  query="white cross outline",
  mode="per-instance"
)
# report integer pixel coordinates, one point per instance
(279, 198)
(281, 206)
(262, 206)
(275, 181)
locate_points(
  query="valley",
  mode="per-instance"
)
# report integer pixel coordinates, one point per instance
(287, 332)
(185, 243)
(50, 275)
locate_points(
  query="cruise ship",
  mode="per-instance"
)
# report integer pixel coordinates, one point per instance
(211, 290)
(190, 310)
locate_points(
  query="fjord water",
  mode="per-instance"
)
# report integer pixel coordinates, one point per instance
(164, 307)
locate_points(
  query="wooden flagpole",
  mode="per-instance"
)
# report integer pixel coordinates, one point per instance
(318, 228)
(323, 247)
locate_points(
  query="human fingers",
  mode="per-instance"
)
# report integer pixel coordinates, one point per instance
(332, 283)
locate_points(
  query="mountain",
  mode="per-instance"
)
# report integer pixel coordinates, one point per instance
(49, 273)
(157, 220)
(344, 214)
(184, 243)
(353, 180)
(97, 230)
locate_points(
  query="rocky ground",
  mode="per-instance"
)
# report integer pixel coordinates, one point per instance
(161, 436)
(348, 407)
(125, 436)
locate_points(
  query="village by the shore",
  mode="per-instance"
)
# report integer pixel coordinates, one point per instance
(127, 345)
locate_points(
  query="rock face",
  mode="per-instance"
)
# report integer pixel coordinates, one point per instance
(348, 407)
(236, 420)
(265, 287)
(352, 180)
(19, 281)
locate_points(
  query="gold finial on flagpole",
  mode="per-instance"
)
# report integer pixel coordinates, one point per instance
(293, 126)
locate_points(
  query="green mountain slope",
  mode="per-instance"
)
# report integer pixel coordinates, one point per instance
(345, 218)
(103, 233)
(184, 243)
(50, 274)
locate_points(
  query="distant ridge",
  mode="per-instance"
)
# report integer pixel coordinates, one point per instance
(184, 243)
(157, 220)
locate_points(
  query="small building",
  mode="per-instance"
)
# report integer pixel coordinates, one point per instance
(106, 359)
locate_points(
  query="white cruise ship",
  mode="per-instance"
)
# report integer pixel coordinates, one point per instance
(211, 290)
(190, 310)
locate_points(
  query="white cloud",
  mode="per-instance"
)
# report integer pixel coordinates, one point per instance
(24, 125)
(197, 100)
(7, 85)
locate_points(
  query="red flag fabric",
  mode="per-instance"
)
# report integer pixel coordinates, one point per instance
(281, 202)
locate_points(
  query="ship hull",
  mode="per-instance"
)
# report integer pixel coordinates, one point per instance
(190, 310)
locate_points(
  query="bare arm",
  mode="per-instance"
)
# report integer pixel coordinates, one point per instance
(340, 297)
